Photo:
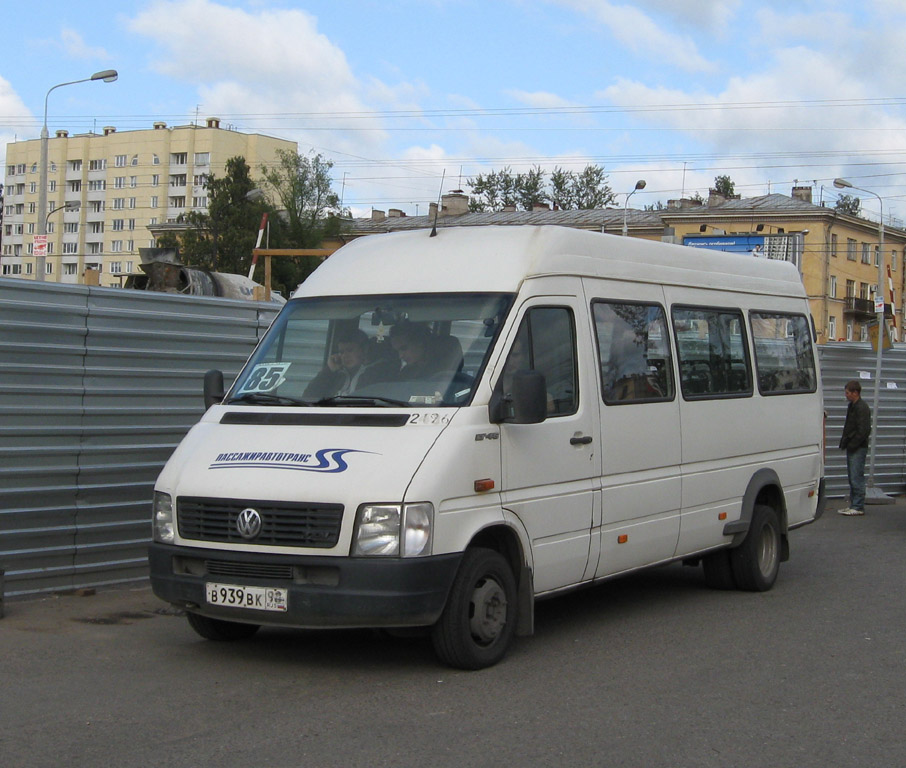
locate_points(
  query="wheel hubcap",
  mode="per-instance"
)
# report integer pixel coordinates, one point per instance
(488, 611)
(767, 551)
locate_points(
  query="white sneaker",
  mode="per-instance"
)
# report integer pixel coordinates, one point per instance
(850, 512)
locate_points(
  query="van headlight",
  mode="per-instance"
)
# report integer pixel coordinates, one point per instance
(400, 530)
(162, 516)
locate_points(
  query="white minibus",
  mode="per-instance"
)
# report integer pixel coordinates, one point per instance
(437, 431)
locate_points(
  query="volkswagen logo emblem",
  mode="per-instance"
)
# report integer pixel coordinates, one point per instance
(249, 523)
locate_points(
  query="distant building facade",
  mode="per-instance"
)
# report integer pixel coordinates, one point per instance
(124, 182)
(837, 254)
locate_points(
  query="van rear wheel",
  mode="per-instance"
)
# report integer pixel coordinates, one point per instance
(756, 561)
(479, 620)
(218, 629)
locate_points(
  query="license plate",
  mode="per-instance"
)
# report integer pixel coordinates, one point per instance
(255, 598)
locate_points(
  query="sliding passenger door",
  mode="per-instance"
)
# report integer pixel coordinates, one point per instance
(640, 428)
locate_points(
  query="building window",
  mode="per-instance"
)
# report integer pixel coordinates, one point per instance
(850, 249)
(155, 160)
(75, 186)
(199, 202)
(133, 181)
(154, 202)
(863, 291)
(69, 269)
(96, 206)
(116, 246)
(29, 268)
(97, 165)
(130, 224)
(119, 182)
(119, 203)
(134, 159)
(850, 289)
(31, 207)
(202, 158)
(179, 158)
(75, 165)
(70, 226)
(118, 225)
(201, 179)
(177, 202)
(120, 161)
(97, 185)
(96, 227)
(33, 187)
(893, 260)
(93, 248)
(866, 253)
(116, 267)
(133, 202)
(833, 246)
(52, 186)
(70, 248)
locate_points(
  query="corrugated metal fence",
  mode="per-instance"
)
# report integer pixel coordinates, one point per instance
(98, 386)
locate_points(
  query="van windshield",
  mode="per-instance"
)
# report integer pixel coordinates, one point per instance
(400, 350)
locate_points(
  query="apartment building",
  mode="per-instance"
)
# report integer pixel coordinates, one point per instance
(106, 189)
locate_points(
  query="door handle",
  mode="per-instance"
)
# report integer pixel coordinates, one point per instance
(580, 440)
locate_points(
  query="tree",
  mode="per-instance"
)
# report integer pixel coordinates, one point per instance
(848, 204)
(301, 185)
(724, 186)
(566, 190)
(222, 238)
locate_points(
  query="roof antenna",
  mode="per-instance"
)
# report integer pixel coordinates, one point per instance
(437, 208)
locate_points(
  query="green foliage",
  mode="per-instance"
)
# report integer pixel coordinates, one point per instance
(848, 204)
(223, 238)
(566, 190)
(725, 186)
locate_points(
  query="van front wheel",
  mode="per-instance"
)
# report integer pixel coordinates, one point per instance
(756, 561)
(479, 620)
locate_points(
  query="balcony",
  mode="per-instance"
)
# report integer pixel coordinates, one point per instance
(863, 309)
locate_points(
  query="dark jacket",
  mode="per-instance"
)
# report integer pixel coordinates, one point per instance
(857, 426)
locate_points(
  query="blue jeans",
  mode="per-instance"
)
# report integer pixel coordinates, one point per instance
(855, 470)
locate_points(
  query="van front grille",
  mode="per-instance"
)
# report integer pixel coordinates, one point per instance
(283, 523)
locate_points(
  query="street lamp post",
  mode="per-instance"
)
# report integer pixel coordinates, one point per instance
(640, 184)
(873, 494)
(108, 76)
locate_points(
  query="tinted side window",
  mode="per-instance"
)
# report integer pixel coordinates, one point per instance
(711, 347)
(546, 342)
(633, 352)
(784, 359)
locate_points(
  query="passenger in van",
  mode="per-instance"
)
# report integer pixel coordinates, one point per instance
(412, 342)
(348, 369)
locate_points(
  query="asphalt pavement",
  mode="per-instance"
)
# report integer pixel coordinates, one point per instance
(649, 670)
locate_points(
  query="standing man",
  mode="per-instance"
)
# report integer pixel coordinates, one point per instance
(856, 430)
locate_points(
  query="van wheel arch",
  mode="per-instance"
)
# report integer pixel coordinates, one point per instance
(765, 489)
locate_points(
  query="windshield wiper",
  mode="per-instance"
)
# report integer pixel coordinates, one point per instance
(362, 400)
(253, 398)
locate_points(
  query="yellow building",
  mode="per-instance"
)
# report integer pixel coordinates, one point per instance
(836, 253)
(122, 182)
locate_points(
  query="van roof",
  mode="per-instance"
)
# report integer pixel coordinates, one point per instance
(501, 258)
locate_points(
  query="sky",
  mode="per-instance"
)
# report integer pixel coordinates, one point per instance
(411, 98)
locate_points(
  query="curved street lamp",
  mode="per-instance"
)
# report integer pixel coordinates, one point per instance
(108, 76)
(640, 184)
(873, 494)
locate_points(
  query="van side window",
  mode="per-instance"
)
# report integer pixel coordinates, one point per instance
(711, 347)
(546, 342)
(633, 352)
(784, 360)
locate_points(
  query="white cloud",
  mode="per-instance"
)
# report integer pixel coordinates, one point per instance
(540, 99)
(13, 112)
(640, 34)
(76, 47)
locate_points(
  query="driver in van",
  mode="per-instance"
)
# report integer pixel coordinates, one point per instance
(348, 368)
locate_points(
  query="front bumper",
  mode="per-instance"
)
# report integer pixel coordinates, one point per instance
(322, 591)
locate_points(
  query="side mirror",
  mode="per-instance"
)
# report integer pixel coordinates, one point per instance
(213, 388)
(526, 404)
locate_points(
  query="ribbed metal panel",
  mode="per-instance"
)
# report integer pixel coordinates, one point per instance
(98, 386)
(841, 362)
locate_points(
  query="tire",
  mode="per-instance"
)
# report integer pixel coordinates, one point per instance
(718, 571)
(756, 561)
(479, 620)
(218, 629)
